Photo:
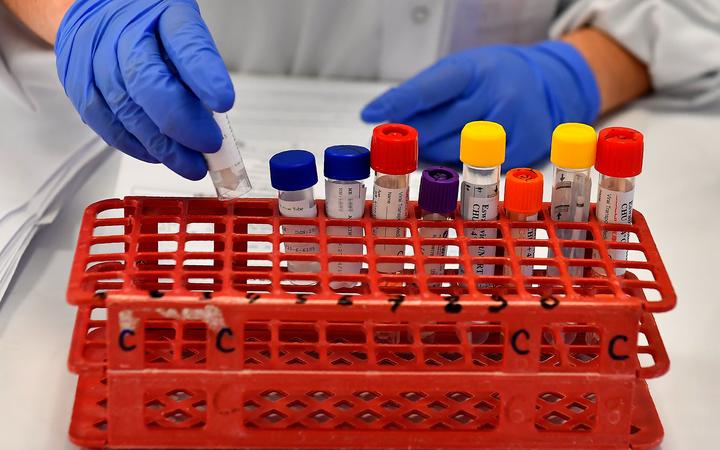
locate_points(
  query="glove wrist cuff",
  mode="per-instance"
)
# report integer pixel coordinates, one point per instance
(582, 73)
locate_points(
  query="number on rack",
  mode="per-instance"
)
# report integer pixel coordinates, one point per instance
(503, 303)
(549, 302)
(396, 302)
(452, 306)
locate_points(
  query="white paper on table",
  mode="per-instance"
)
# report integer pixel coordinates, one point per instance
(19, 225)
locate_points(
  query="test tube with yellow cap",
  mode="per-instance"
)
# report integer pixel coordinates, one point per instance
(482, 151)
(572, 153)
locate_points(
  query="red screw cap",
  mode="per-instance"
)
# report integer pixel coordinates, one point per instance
(394, 149)
(619, 152)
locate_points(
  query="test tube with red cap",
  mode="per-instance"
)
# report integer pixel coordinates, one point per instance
(619, 160)
(393, 157)
(523, 201)
(437, 200)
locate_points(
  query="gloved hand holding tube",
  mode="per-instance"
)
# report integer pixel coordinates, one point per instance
(147, 77)
(529, 90)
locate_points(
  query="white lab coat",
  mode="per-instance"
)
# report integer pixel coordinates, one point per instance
(371, 39)
(678, 40)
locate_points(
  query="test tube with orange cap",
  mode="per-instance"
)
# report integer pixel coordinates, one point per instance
(523, 201)
(619, 160)
(393, 157)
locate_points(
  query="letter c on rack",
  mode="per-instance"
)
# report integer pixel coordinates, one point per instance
(219, 340)
(514, 343)
(611, 347)
(124, 333)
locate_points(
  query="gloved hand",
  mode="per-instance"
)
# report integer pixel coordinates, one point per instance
(527, 89)
(144, 74)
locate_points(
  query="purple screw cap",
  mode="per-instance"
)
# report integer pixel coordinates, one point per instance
(439, 190)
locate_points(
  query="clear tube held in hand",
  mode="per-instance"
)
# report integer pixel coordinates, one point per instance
(226, 166)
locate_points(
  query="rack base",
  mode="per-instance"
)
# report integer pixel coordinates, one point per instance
(89, 428)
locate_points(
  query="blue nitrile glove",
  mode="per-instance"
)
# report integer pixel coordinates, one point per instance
(527, 89)
(144, 74)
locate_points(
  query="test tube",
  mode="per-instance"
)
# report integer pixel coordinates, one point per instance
(346, 166)
(482, 151)
(573, 153)
(393, 157)
(437, 200)
(293, 174)
(226, 167)
(619, 160)
(523, 201)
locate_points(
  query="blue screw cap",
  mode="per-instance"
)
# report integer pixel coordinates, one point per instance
(347, 162)
(293, 170)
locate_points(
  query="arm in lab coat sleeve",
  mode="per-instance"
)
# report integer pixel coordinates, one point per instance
(678, 40)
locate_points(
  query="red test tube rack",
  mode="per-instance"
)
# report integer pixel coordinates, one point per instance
(191, 333)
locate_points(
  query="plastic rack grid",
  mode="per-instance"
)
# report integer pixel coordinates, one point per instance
(192, 333)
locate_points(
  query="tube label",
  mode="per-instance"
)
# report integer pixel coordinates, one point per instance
(389, 204)
(615, 207)
(344, 201)
(525, 251)
(434, 250)
(299, 208)
(570, 203)
(480, 202)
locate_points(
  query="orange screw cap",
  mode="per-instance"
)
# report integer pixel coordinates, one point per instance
(523, 191)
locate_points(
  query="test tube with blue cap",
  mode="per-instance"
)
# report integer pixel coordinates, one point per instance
(293, 173)
(345, 168)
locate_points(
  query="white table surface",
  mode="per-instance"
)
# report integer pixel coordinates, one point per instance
(678, 193)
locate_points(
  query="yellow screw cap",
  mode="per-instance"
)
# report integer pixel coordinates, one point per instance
(573, 146)
(482, 144)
